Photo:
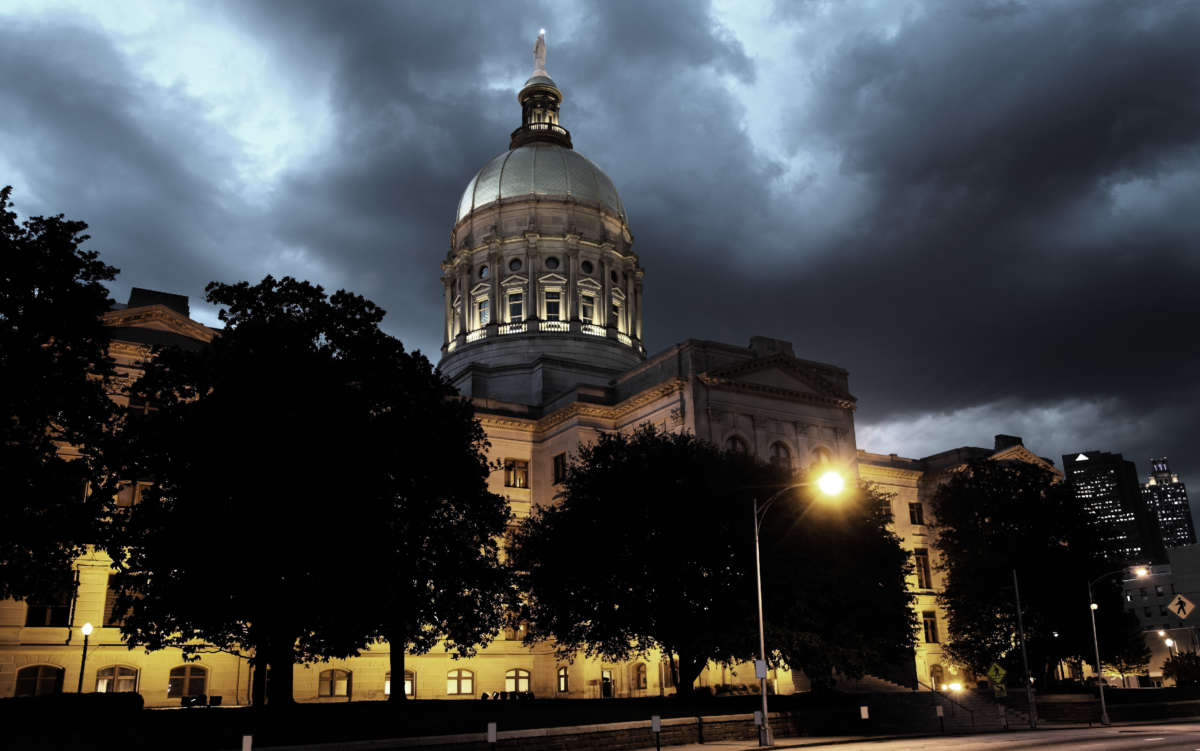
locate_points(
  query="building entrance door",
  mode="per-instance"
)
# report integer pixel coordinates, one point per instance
(606, 683)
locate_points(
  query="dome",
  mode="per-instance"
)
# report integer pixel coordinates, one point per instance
(540, 169)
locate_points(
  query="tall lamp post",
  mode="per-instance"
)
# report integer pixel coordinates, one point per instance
(87, 631)
(830, 483)
(1140, 572)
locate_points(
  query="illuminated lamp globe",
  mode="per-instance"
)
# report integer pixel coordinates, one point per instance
(1141, 571)
(86, 629)
(831, 483)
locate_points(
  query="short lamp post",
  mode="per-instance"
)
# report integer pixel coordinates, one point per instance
(1140, 572)
(87, 631)
(830, 483)
(1170, 644)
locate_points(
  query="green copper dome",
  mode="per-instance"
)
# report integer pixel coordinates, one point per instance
(540, 169)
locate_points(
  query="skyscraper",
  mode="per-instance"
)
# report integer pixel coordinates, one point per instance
(1106, 486)
(1167, 499)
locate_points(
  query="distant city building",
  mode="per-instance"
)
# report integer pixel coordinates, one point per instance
(1106, 486)
(1167, 499)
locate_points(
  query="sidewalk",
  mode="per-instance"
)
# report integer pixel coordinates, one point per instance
(749, 744)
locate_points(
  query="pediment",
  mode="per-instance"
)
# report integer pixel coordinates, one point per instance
(552, 279)
(514, 280)
(591, 284)
(1022, 454)
(158, 318)
(783, 376)
(481, 289)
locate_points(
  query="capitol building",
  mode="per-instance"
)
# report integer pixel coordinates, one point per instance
(543, 331)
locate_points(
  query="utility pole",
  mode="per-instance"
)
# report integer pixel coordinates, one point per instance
(1025, 655)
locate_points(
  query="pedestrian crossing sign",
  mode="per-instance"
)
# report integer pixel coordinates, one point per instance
(1181, 606)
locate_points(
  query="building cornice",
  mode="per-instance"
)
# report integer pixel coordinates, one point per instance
(585, 409)
(158, 317)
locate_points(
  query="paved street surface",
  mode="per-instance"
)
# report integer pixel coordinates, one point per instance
(1142, 737)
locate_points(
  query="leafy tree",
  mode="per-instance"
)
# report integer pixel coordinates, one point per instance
(1127, 654)
(292, 463)
(1184, 667)
(54, 364)
(649, 548)
(652, 547)
(996, 517)
(852, 571)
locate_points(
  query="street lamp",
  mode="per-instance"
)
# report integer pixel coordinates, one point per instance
(1170, 643)
(87, 631)
(1140, 572)
(830, 483)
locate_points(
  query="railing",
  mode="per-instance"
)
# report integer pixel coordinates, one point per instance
(624, 339)
(542, 127)
(476, 335)
(513, 328)
(554, 326)
(593, 329)
(450, 345)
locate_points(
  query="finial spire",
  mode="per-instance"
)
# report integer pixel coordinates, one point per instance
(539, 55)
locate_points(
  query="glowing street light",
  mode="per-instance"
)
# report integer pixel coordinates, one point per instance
(86, 629)
(830, 483)
(1140, 572)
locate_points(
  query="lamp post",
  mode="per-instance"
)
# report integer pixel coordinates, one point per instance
(1140, 572)
(87, 631)
(830, 483)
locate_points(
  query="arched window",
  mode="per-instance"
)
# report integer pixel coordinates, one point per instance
(562, 680)
(116, 679)
(735, 445)
(187, 680)
(410, 683)
(821, 456)
(460, 682)
(39, 680)
(780, 456)
(516, 679)
(333, 683)
(639, 675)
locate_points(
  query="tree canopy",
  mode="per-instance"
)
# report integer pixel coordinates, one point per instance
(311, 488)
(651, 547)
(54, 364)
(834, 585)
(994, 517)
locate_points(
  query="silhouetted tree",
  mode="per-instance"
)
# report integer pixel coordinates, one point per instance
(1126, 652)
(291, 464)
(54, 364)
(650, 547)
(994, 517)
(1184, 668)
(834, 585)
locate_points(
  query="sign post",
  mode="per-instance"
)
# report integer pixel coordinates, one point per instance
(656, 726)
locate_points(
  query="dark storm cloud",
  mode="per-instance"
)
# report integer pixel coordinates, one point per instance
(985, 211)
(1030, 232)
(131, 159)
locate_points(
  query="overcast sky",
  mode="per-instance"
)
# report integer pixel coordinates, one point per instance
(988, 212)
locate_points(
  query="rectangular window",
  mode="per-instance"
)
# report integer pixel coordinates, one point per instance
(916, 513)
(614, 316)
(553, 306)
(1162, 609)
(485, 312)
(1158, 590)
(560, 468)
(516, 473)
(54, 612)
(924, 574)
(587, 308)
(929, 621)
(516, 307)
(111, 616)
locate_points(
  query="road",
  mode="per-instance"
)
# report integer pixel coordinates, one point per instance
(1142, 737)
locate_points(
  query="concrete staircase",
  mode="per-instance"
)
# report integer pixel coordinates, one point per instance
(962, 711)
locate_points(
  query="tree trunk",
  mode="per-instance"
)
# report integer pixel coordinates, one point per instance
(258, 686)
(397, 643)
(689, 671)
(282, 656)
